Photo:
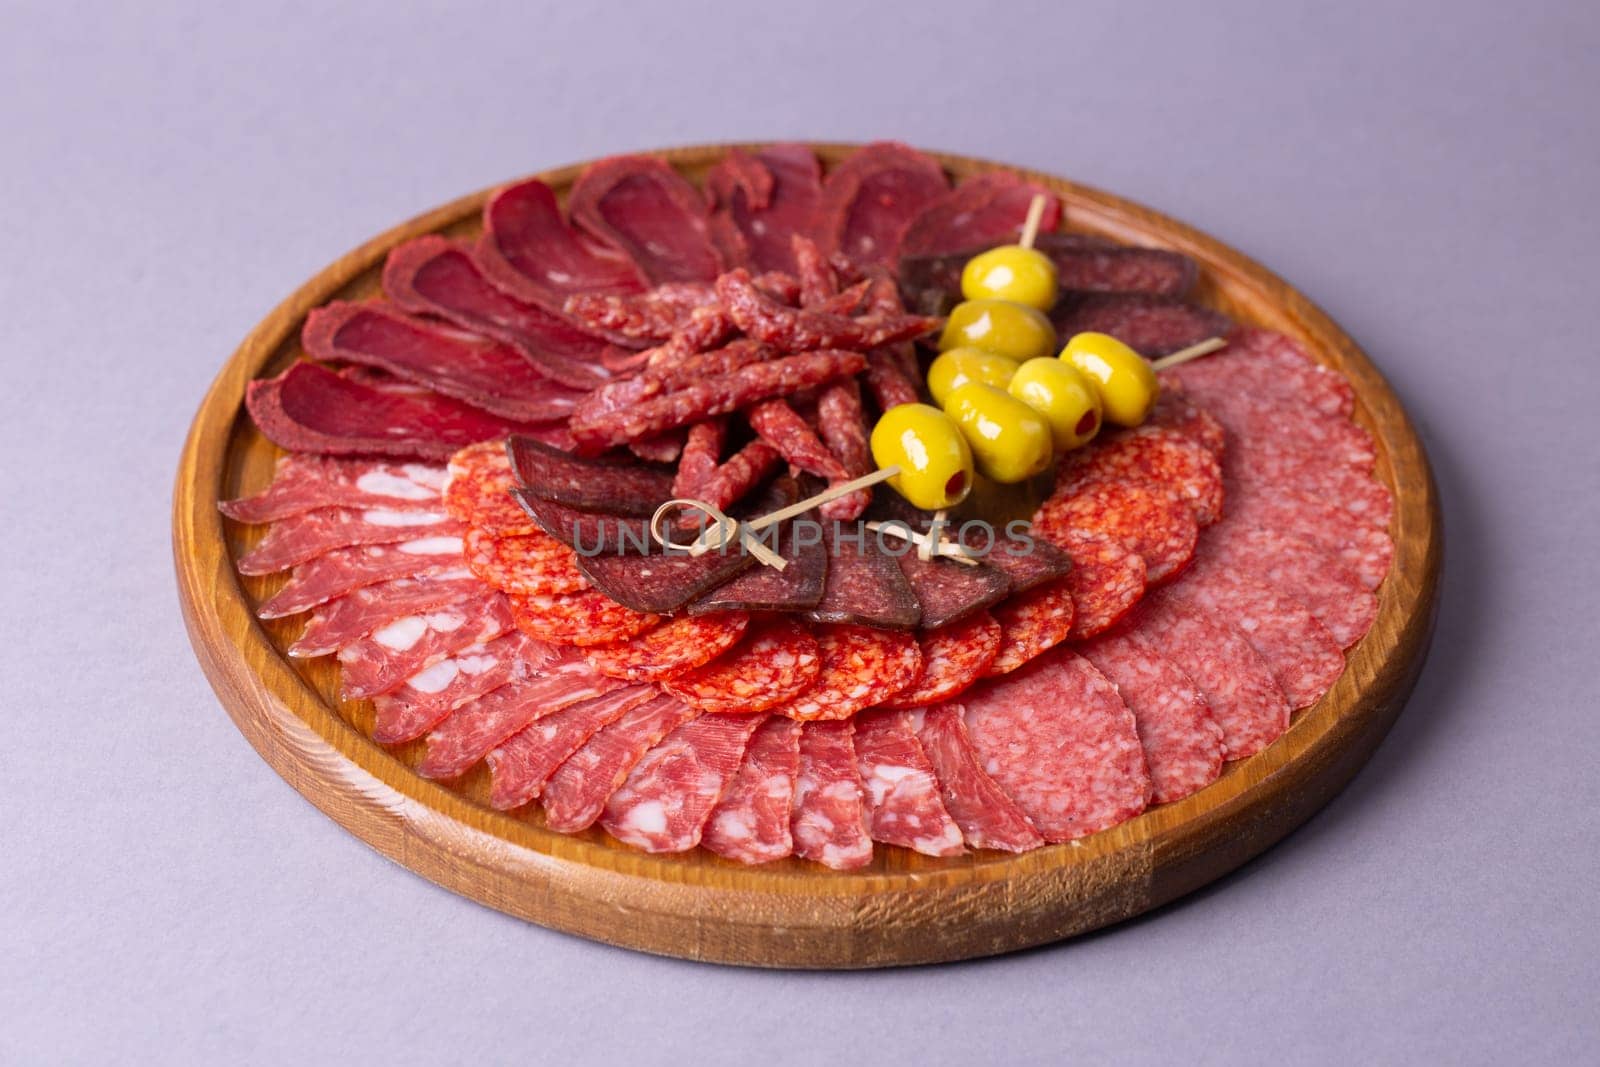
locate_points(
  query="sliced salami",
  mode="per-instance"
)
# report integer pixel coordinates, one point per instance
(1365, 500)
(1175, 411)
(1319, 580)
(457, 745)
(664, 803)
(310, 534)
(336, 573)
(576, 793)
(1061, 743)
(776, 661)
(357, 614)
(954, 657)
(750, 823)
(671, 648)
(302, 483)
(1106, 582)
(829, 822)
(428, 696)
(385, 658)
(1161, 458)
(1142, 519)
(1033, 623)
(902, 794)
(1367, 550)
(1303, 656)
(988, 818)
(1245, 699)
(1261, 364)
(520, 767)
(1183, 745)
(859, 666)
(534, 564)
(583, 619)
(479, 492)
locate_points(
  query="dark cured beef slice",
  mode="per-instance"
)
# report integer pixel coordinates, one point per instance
(661, 583)
(949, 591)
(433, 275)
(309, 408)
(591, 533)
(528, 250)
(986, 209)
(864, 584)
(618, 486)
(797, 587)
(931, 284)
(1151, 325)
(870, 200)
(647, 209)
(1027, 562)
(761, 201)
(487, 374)
(1099, 268)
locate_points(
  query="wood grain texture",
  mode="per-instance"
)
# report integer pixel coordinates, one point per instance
(905, 908)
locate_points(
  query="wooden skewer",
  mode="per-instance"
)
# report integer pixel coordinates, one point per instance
(1195, 351)
(1030, 226)
(833, 492)
(942, 546)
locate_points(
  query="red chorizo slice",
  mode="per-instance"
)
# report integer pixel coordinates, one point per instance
(954, 657)
(533, 564)
(1145, 520)
(671, 648)
(1031, 624)
(478, 491)
(1161, 458)
(776, 661)
(583, 619)
(1106, 581)
(859, 667)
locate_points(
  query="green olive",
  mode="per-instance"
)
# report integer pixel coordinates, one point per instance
(932, 454)
(1128, 387)
(1010, 441)
(1069, 402)
(1011, 272)
(962, 365)
(999, 326)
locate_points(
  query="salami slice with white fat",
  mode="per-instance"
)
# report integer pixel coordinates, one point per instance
(521, 766)
(1303, 656)
(385, 658)
(1367, 549)
(954, 657)
(356, 614)
(902, 793)
(1183, 746)
(342, 570)
(829, 823)
(1262, 363)
(302, 482)
(750, 823)
(1059, 740)
(666, 799)
(987, 816)
(456, 745)
(1319, 580)
(312, 533)
(576, 793)
(431, 694)
(1244, 697)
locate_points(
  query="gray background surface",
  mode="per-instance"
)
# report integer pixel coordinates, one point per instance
(1427, 173)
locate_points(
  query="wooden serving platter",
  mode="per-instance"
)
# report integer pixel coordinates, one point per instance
(905, 908)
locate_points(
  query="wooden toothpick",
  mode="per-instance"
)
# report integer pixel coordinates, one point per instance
(1030, 226)
(1195, 351)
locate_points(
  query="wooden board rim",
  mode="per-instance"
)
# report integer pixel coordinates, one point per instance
(699, 908)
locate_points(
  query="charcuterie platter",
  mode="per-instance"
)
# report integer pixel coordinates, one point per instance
(807, 555)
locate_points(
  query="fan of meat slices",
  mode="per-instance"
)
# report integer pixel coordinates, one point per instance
(471, 466)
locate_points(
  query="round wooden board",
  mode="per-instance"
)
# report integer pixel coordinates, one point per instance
(905, 908)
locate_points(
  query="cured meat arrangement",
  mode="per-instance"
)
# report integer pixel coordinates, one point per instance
(491, 476)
